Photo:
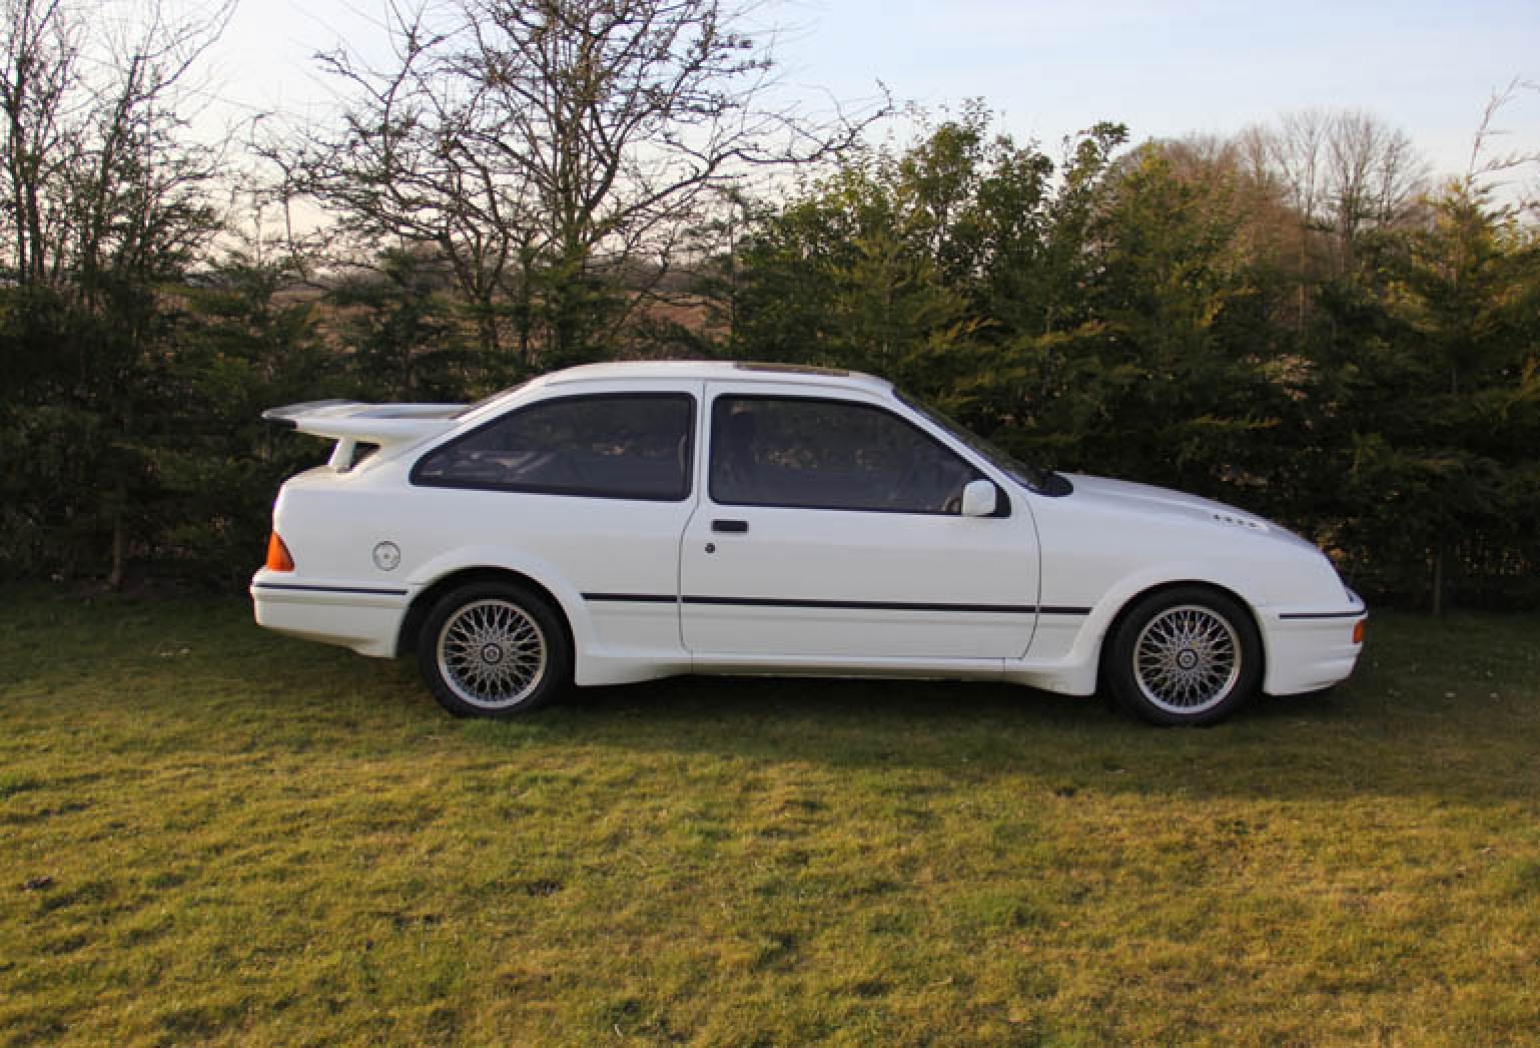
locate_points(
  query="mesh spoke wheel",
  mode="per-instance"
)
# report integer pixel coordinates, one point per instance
(492, 654)
(1187, 659)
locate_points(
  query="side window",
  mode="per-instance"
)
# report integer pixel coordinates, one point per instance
(827, 454)
(619, 446)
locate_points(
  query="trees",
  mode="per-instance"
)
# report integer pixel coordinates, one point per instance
(1134, 314)
(37, 67)
(1283, 318)
(911, 263)
(848, 276)
(1340, 177)
(395, 323)
(549, 147)
(100, 183)
(1431, 394)
(1096, 320)
(1171, 384)
(105, 201)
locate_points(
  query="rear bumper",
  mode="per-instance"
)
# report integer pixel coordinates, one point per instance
(1310, 649)
(365, 618)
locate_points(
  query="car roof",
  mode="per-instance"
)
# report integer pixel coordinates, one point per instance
(716, 371)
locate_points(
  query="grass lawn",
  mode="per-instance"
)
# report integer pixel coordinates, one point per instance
(211, 834)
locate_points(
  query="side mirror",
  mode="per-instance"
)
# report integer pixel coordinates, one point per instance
(980, 499)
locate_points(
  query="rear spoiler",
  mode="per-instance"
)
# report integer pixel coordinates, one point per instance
(351, 423)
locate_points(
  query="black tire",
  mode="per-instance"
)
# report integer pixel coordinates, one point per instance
(493, 649)
(1184, 656)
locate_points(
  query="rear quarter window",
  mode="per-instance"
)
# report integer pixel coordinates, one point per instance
(621, 446)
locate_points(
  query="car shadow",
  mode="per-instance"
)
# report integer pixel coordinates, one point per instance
(1330, 746)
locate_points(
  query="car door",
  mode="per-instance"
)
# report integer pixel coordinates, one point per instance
(831, 528)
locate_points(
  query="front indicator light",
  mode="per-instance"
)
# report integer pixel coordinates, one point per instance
(278, 558)
(1358, 630)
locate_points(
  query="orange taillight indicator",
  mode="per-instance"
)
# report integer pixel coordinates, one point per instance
(278, 558)
(1358, 631)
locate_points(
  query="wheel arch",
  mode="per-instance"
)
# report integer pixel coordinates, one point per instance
(422, 604)
(1104, 647)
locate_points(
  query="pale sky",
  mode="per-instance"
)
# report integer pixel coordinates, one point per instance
(1050, 68)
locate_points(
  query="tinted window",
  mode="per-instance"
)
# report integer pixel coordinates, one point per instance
(627, 446)
(825, 454)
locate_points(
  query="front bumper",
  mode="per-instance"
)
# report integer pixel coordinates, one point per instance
(1311, 648)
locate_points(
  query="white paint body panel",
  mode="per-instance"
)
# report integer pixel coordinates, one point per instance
(1028, 597)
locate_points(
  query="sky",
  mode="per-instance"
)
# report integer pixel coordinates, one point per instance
(1165, 69)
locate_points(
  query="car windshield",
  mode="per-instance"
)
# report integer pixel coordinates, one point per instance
(1042, 481)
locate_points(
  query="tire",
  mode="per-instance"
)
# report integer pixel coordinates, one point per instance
(1184, 656)
(492, 649)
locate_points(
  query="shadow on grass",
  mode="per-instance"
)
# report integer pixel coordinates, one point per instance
(1409, 723)
(1448, 709)
(1296, 748)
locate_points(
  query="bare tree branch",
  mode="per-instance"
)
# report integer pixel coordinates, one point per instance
(1486, 164)
(98, 173)
(544, 144)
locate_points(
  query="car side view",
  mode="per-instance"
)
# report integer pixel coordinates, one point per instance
(623, 522)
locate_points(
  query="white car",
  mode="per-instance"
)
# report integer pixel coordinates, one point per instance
(622, 522)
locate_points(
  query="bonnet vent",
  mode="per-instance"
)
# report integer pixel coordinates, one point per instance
(1240, 522)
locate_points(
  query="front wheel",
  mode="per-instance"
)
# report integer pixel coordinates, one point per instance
(493, 650)
(1185, 656)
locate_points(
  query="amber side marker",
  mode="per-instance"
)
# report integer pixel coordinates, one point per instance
(1358, 627)
(278, 558)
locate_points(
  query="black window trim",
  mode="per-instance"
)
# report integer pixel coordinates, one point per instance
(417, 480)
(1003, 499)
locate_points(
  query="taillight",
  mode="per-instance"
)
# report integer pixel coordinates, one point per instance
(278, 558)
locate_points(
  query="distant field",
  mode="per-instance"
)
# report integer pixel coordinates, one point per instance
(212, 835)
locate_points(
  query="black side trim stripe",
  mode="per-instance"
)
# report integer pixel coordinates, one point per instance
(862, 605)
(1324, 614)
(837, 605)
(332, 589)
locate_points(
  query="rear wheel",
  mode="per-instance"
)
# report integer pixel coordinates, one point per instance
(493, 649)
(1184, 656)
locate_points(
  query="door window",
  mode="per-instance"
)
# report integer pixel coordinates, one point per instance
(829, 454)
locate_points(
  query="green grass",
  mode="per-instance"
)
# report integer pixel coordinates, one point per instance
(209, 834)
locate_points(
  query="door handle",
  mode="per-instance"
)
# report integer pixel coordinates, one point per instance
(737, 527)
